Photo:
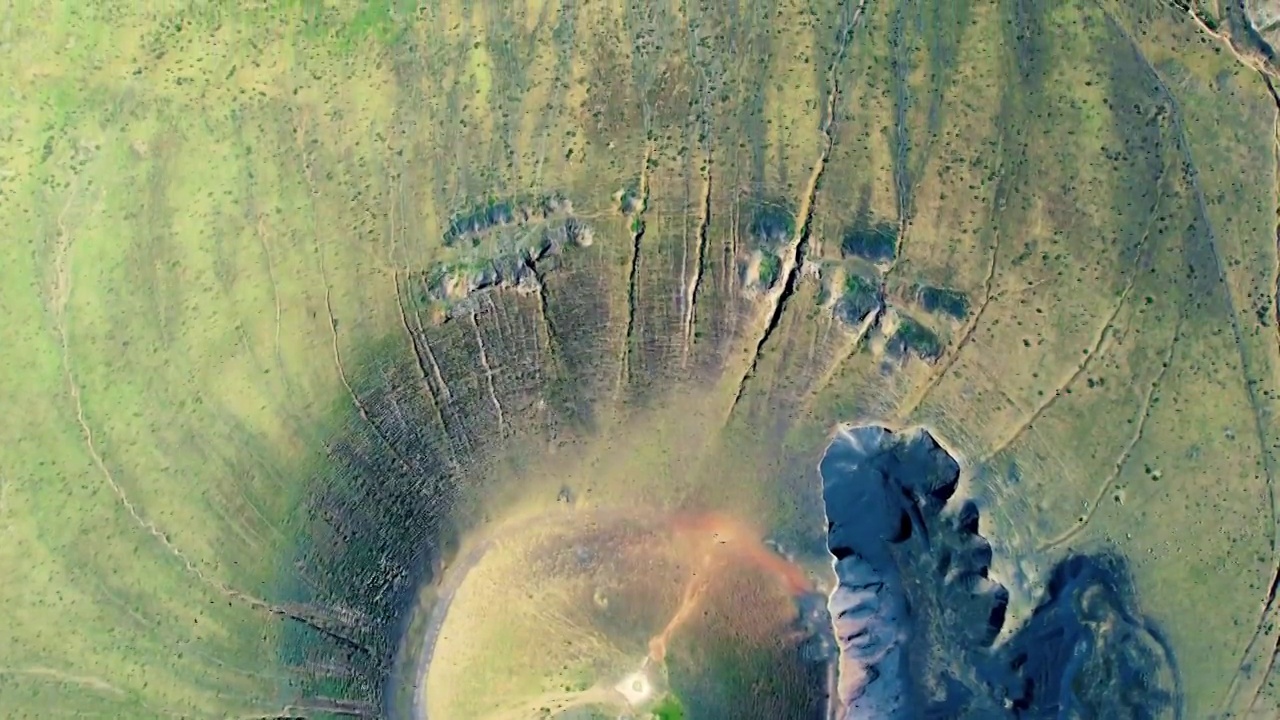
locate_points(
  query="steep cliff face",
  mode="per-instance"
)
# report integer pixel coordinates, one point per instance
(922, 624)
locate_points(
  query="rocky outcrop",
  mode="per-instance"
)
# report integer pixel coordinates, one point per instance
(916, 615)
(453, 286)
(1264, 16)
(476, 222)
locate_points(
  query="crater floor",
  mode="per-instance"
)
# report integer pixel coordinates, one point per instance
(614, 612)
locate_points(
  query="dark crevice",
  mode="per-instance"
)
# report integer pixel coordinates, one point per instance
(552, 335)
(330, 633)
(413, 341)
(637, 234)
(792, 276)
(775, 316)
(901, 142)
(700, 263)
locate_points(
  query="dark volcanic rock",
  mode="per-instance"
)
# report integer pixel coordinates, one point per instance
(916, 616)
(1086, 652)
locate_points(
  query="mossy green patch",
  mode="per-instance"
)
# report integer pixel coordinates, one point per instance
(668, 708)
(770, 269)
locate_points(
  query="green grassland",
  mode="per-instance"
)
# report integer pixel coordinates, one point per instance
(234, 442)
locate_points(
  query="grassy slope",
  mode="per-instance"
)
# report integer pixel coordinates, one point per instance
(164, 280)
(187, 196)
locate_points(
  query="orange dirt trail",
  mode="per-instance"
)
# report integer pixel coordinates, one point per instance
(716, 539)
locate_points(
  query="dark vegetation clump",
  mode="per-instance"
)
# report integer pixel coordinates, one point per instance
(630, 201)
(874, 242)
(943, 300)
(911, 336)
(772, 226)
(770, 269)
(861, 297)
(469, 224)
